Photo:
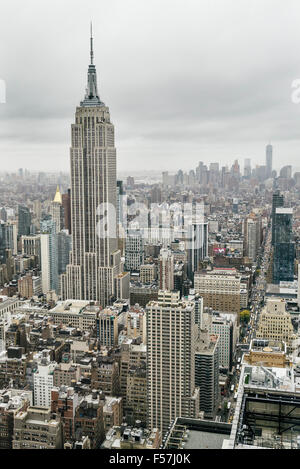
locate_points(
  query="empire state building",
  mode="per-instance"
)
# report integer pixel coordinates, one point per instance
(95, 261)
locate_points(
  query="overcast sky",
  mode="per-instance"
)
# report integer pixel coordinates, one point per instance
(185, 80)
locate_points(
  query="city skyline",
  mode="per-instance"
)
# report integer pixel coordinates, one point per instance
(207, 98)
(150, 228)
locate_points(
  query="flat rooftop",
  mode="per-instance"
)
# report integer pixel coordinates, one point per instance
(196, 434)
(205, 440)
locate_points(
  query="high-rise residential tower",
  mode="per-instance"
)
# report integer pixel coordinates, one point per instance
(252, 236)
(269, 160)
(166, 270)
(171, 342)
(49, 256)
(94, 259)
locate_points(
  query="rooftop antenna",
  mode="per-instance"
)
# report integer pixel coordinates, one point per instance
(92, 51)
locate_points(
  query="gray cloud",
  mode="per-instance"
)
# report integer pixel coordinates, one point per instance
(184, 80)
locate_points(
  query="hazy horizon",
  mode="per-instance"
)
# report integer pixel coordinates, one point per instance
(185, 81)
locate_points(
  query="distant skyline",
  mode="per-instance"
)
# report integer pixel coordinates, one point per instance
(185, 81)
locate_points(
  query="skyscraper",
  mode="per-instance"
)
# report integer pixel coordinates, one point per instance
(24, 220)
(277, 201)
(171, 337)
(207, 371)
(64, 243)
(269, 160)
(252, 236)
(6, 240)
(166, 270)
(134, 251)
(94, 259)
(66, 203)
(56, 211)
(49, 256)
(247, 168)
(284, 247)
(197, 248)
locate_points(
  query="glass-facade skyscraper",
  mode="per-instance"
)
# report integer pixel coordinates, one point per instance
(197, 247)
(24, 220)
(284, 247)
(277, 201)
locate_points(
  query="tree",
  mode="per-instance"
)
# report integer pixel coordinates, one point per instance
(245, 315)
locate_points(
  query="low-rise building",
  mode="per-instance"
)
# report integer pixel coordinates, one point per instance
(275, 323)
(36, 429)
(76, 313)
(132, 438)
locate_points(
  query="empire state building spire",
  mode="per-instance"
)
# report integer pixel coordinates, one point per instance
(91, 97)
(92, 51)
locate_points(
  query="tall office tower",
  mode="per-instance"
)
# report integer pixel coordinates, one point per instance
(214, 173)
(235, 205)
(252, 236)
(298, 295)
(107, 327)
(199, 171)
(120, 194)
(197, 247)
(3, 327)
(179, 177)
(24, 220)
(156, 193)
(192, 177)
(134, 251)
(37, 213)
(64, 245)
(269, 160)
(198, 300)
(66, 203)
(121, 224)
(284, 247)
(223, 176)
(56, 211)
(171, 390)
(49, 256)
(3, 214)
(166, 270)
(247, 168)
(95, 260)
(207, 372)
(235, 170)
(227, 330)
(6, 240)
(204, 176)
(277, 201)
(130, 182)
